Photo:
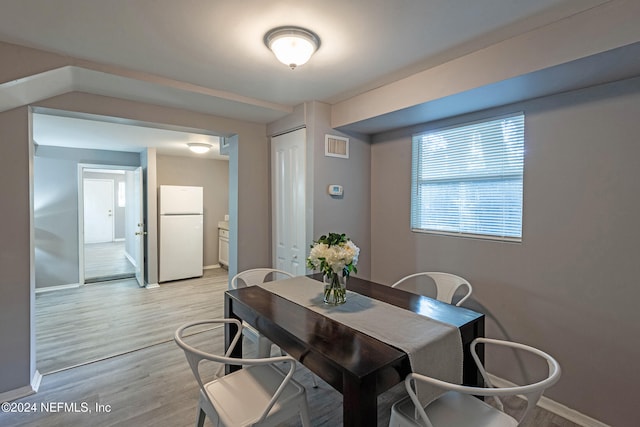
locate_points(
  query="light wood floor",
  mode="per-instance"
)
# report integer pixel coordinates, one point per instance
(75, 326)
(153, 385)
(106, 261)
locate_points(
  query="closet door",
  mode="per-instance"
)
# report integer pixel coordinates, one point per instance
(288, 172)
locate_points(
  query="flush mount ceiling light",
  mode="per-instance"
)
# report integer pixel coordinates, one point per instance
(199, 147)
(293, 46)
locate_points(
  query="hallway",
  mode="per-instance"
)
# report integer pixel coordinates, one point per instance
(106, 261)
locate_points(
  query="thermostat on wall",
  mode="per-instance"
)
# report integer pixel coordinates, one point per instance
(335, 190)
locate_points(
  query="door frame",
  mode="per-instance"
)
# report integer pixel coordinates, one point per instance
(137, 194)
(148, 164)
(81, 169)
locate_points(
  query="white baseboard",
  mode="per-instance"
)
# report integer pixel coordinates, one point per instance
(555, 407)
(152, 285)
(57, 288)
(209, 267)
(120, 239)
(35, 381)
(130, 258)
(21, 392)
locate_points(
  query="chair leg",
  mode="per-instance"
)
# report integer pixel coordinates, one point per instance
(201, 416)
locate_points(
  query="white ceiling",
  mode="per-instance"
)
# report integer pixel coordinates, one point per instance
(216, 46)
(74, 132)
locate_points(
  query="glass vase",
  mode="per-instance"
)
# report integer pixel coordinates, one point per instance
(335, 289)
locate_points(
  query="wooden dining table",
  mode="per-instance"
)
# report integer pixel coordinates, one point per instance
(355, 364)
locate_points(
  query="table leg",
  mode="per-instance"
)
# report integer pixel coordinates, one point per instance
(230, 331)
(359, 402)
(470, 374)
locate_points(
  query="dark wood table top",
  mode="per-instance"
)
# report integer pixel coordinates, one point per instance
(317, 341)
(357, 365)
(432, 308)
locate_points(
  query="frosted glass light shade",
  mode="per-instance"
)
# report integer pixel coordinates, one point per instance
(198, 147)
(293, 46)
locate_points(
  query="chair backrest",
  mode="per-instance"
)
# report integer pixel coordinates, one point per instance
(446, 285)
(195, 356)
(255, 276)
(532, 392)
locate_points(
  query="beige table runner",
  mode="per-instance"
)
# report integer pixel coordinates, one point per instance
(434, 348)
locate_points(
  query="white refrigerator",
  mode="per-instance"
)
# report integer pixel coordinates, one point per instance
(181, 232)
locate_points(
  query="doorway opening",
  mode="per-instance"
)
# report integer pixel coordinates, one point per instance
(86, 316)
(111, 225)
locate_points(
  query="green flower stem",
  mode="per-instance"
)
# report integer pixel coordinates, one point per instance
(334, 293)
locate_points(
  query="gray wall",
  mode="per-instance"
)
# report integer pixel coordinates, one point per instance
(17, 358)
(571, 286)
(252, 181)
(349, 214)
(16, 260)
(213, 176)
(55, 185)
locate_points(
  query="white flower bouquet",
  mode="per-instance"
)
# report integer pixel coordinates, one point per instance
(336, 256)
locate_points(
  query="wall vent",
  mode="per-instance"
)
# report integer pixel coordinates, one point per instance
(336, 146)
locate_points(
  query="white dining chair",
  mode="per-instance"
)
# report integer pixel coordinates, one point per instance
(260, 394)
(252, 277)
(459, 407)
(446, 285)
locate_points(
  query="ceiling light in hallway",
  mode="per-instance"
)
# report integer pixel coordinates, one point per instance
(199, 147)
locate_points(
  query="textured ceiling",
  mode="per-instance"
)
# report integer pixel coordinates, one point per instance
(217, 46)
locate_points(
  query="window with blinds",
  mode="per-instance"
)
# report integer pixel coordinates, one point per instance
(467, 180)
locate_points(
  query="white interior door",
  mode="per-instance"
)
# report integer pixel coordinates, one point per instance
(98, 210)
(138, 220)
(288, 181)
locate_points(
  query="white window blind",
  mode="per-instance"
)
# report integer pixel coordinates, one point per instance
(467, 179)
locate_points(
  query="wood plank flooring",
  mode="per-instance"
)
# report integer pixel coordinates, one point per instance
(153, 385)
(106, 261)
(75, 326)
